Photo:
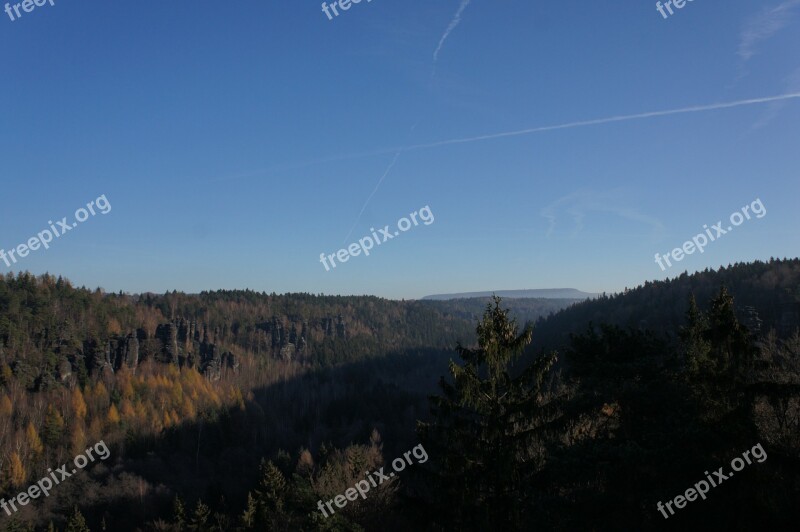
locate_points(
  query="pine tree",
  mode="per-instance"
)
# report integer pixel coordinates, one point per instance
(250, 513)
(730, 346)
(76, 522)
(200, 518)
(721, 355)
(485, 428)
(179, 513)
(696, 348)
(273, 486)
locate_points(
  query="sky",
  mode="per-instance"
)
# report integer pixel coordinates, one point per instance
(554, 144)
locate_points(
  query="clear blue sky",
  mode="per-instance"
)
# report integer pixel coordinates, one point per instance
(236, 141)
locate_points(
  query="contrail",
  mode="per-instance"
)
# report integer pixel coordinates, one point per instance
(453, 23)
(621, 118)
(388, 169)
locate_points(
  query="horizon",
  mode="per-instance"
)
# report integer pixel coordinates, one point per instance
(461, 295)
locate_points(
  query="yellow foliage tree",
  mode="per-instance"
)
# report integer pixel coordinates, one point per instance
(188, 409)
(6, 408)
(100, 394)
(113, 415)
(78, 404)
(176, 393)
(113, 327)
(78, 439)
(6, 374)
(17, 475)
(96, 429)
(127, 411)
(127, 389)
(33, 440)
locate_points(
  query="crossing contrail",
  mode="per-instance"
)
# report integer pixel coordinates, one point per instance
(358, 219)
(597, 121)
(568, 125)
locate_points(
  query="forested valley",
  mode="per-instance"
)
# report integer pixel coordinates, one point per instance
(238, 410)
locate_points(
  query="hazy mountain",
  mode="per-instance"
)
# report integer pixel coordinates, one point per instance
(539, 293)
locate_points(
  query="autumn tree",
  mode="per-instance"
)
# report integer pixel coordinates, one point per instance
(35, 445)
(78, 404)
(16, 471)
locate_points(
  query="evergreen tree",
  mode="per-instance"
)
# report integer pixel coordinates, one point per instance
(696, 348)
(76, 522)
(179, 513)
(720, 359)
(200, 518)
(486, 429)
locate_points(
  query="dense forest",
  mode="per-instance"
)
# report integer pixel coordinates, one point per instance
(521, 309)
(237, 410)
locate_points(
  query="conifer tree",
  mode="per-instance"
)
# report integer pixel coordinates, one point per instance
(179, 513)
(486, 428)
(695, 347)
(202, 514)
(76, 522)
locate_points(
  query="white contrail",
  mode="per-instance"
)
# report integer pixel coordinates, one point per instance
(453, 23)
(388, 169)
(622, 118)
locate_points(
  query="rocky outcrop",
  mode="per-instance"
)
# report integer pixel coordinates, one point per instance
(168, 334)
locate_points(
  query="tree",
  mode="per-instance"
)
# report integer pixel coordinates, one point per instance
(76, 522)
(271, 497)
(16, 473)
(720, 357)
(179, 513)
(53, 427)
(78, 404)
(113, 415)
(34, 442)
(200, 518)
(696, 348)
(486, 429)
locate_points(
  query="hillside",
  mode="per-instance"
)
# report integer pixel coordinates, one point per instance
(767, 296)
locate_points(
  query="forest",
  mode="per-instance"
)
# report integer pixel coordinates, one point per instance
(239, 410)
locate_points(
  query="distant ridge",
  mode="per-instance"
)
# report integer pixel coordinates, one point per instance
(542, 293)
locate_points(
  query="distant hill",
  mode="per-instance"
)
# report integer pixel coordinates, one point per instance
(542, 293)
(766, 294)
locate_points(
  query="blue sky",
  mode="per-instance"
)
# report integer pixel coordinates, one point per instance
(237, 141)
